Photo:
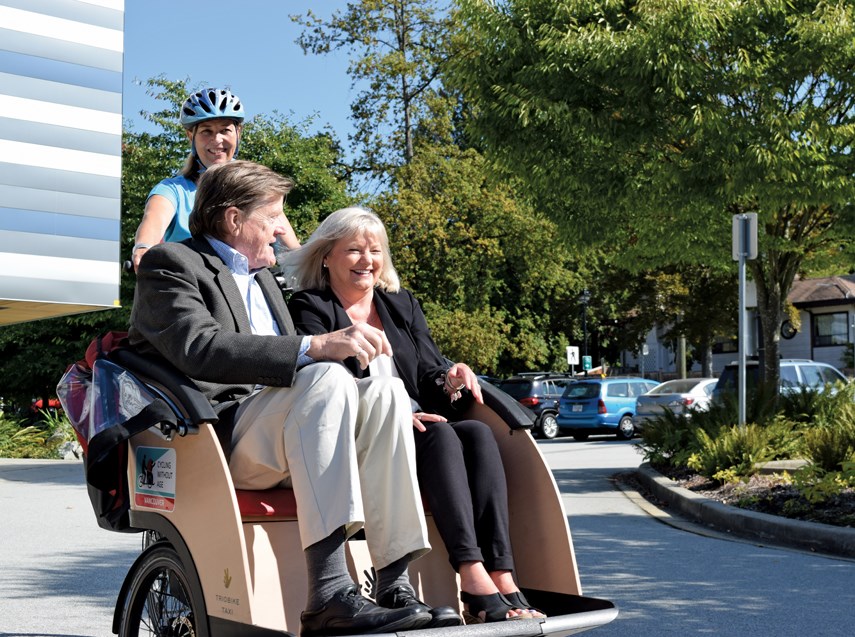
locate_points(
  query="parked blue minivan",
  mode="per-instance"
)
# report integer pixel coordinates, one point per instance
(601, 406)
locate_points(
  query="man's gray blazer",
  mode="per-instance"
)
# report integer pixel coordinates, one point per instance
(188, 310)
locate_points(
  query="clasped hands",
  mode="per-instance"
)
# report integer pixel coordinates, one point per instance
(361, 341)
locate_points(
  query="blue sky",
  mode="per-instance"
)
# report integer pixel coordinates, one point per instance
(247, 45)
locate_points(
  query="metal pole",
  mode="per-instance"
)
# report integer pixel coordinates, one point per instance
(585, 327)
(585, 331)
(743, 337)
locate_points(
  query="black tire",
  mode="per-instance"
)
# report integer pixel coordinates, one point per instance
(625, 428)
(580, 437)
(548, 426)
(160, 600)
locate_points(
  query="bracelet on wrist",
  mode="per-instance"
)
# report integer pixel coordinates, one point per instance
(140, 246)
(452, 392)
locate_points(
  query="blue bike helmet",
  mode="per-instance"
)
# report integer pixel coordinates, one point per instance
(211, 103)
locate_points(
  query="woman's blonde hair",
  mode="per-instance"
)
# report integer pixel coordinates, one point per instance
(306, 264)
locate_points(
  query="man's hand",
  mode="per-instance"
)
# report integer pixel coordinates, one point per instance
(360, 340)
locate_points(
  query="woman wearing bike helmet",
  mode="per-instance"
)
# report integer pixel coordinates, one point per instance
(213, 119)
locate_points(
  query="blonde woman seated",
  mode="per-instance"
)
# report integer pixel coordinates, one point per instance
(344, 276)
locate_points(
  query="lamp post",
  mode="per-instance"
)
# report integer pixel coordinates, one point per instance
(583, 299)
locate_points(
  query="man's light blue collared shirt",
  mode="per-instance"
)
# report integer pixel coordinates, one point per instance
(260, 317)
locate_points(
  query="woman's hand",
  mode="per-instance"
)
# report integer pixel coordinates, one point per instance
(459, 376)
(420, 418)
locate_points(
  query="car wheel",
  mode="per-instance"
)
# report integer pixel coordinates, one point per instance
(625, 428)
(580, 437)
(548, 426)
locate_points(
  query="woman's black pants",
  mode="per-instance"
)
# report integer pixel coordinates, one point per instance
(462, 478)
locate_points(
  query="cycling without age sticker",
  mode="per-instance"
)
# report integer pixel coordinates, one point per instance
(155, 488)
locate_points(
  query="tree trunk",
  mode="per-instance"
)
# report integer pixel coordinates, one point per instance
(706, 359)
(773, 275)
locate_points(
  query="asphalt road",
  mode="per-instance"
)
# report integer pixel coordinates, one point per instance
(59, 572)
(667, 581)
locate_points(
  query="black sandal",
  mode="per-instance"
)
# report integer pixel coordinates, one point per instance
(521, 603)
(495, 608)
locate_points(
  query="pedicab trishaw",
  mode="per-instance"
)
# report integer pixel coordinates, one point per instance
(219, 561)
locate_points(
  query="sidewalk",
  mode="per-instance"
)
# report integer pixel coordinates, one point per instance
(60, 573)
(729, 520)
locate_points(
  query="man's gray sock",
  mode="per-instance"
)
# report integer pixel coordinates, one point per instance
(393, 576)
(327, 569)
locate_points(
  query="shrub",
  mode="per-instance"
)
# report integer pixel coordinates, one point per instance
(35, 441)
(735, 451)
(829, 441)
(818, 485)
(667, 439)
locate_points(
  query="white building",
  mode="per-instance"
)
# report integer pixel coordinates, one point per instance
(827, 311)
(60, 157)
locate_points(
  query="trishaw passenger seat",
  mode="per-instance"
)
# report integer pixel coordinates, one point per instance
(267, 505)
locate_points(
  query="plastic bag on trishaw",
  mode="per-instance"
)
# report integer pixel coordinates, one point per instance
(106, 406)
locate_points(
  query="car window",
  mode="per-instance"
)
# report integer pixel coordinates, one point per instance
(679, 386)
(638, 389)
(582, 390)
(789, 377)
(811, 375)
(516, 389)
(617, 390)
(831, 375)
(729, 378)
(708, 388)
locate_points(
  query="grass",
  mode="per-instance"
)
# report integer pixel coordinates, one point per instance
(42, 440)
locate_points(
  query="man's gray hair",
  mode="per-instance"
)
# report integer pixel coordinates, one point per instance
(242, 184)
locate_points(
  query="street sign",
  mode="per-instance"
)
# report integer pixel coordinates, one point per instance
(586, 363)
(744, 248)
(745, 236)
(572, 355)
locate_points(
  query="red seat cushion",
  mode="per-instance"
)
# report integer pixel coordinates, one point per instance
(274, 504)
(270, 503)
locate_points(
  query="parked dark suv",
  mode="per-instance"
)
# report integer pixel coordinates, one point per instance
(539, 391)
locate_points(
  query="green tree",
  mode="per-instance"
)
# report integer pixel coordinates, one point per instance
(491, 272)
(661, 120)
(398, 52)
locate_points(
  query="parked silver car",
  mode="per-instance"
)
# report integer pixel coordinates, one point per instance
(796, 374)
(681, 396)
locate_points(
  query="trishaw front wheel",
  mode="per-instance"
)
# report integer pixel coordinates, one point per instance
(160, 600)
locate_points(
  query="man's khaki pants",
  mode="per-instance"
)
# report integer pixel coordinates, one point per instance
(346, 448)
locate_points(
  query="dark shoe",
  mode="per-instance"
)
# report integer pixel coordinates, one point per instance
(520, 602)
(402, 597)
(495, 608)
(349, 613)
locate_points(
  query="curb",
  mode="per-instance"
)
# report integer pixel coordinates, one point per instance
(769, 529)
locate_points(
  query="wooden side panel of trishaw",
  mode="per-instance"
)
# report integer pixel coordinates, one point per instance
(540, 534)
(253, 571)
(206, 515)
